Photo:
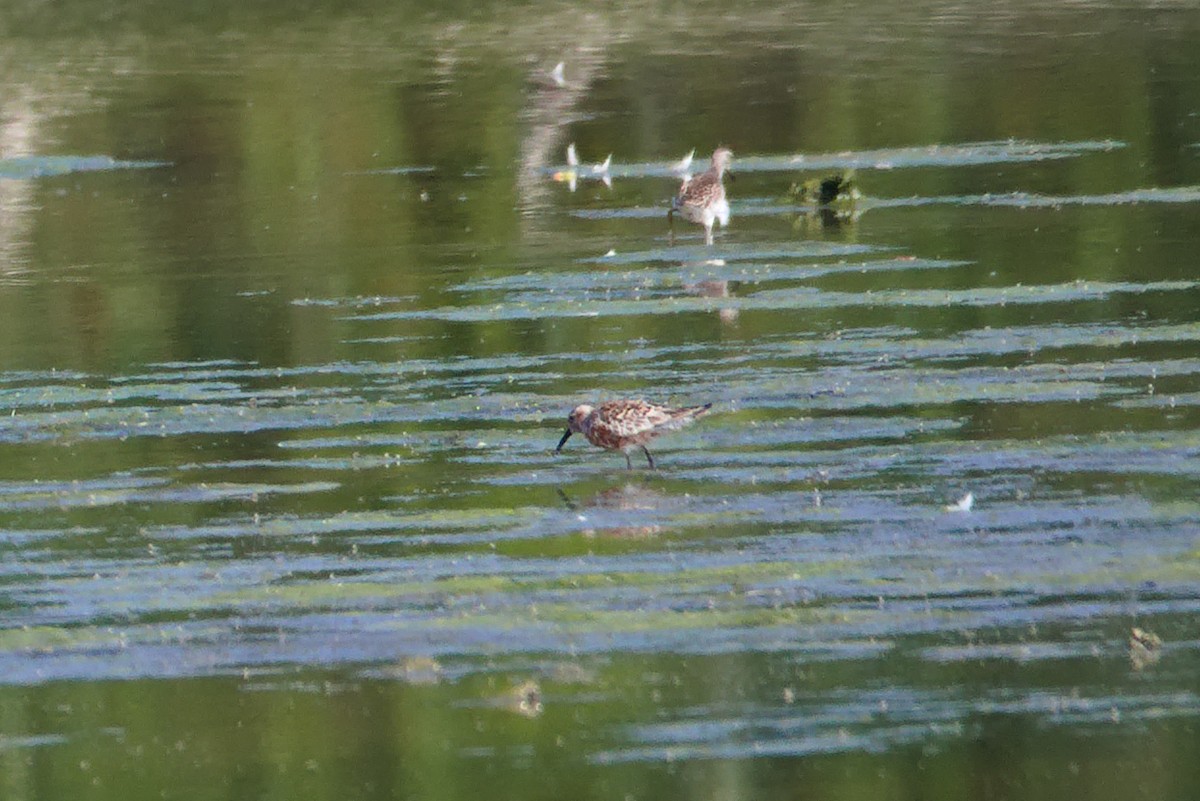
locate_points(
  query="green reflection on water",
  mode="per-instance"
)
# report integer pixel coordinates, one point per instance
(325, 735)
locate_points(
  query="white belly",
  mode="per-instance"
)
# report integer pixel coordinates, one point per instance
(720, 212)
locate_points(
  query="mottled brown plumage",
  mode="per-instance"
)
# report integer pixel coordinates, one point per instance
(620, 425)
(701, 199)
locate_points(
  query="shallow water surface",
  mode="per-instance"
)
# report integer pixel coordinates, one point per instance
(293, 308)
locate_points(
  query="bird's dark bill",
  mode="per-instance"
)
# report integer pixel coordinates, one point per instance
(563, 441)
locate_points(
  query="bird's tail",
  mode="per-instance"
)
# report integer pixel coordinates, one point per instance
(678, 418)
(690, 412)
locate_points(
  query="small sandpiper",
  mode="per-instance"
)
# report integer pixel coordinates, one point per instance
(701, 199)
(621, 425)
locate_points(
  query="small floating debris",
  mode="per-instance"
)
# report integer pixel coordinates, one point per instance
(834, 200)
(526, 699)
(601, 171)
(571, 174)
(1145, 648)
(963, 504)
(558, 74)
(832, 190)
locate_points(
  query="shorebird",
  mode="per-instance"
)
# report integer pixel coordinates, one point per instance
(622, 425)
(701, 200)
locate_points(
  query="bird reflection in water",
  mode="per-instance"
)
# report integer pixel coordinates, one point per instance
(714, 288)
(620, 499)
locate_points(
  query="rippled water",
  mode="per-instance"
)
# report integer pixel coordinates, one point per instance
(292, 318)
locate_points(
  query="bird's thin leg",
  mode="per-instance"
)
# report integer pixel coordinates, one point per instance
(649, 458)
(671, 225)
(628, 464)
(708, 237)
